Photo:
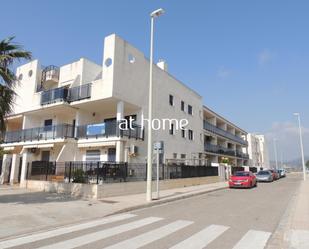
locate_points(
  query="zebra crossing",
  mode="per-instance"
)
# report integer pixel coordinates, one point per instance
(129, 223)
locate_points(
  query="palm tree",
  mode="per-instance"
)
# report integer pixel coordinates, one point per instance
(10, 53)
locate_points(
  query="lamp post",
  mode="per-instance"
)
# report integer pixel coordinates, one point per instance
(275, 149)
(153, 15)
(301, 145)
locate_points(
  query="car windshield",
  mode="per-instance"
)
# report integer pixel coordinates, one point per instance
(263, 173)
(241, 174)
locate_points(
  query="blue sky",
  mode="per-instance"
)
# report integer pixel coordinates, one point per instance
(249, 59)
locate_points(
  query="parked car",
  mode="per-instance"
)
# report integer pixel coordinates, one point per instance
(281, 173)
(275, 174)
(264, 176)
(242, 179)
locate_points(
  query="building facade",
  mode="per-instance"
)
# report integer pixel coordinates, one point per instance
(258, 151)
(72, 114)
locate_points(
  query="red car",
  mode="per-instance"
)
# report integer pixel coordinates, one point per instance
(275, 174)
(242, 179)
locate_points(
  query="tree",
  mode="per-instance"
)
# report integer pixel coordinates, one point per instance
(10, 53)
(307, 164)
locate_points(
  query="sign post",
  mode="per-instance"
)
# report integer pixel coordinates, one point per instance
(158, 147)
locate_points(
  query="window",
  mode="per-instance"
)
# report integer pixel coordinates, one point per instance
(182, 105)
(172, 130)
(183, 133)
(190, 134)
(93, 155)
(190, 109)
(175, 155)
(171, 100)
(183, 156)
(48, 124)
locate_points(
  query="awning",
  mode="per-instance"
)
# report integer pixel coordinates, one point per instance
(8, 148)
(99, 144)
(45, 145)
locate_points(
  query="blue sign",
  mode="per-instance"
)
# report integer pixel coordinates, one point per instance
(96, 129)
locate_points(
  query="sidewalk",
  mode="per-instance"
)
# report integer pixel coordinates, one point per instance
(293, 231)
(24, 211)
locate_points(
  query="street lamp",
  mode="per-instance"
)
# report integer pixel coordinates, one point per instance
(153, 15)
(275, 149)
(301, 145)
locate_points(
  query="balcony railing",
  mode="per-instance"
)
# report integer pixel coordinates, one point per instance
(40, 133)
(79, 92)
(226, 134)
(217, 149)
(66, 94)
(109, 129)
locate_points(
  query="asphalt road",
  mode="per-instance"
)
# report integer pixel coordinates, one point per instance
(231, 218)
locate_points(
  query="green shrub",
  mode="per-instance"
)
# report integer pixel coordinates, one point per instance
(79, 176)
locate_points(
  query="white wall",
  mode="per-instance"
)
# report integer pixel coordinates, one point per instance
(130, 83)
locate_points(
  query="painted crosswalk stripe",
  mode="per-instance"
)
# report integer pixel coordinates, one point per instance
(63, 230)
(253, 239)
(151, 236)
(102, 234)
(202, 238)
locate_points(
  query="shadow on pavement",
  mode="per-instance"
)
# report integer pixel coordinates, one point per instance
(35, 197)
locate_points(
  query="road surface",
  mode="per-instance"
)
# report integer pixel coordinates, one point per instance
(231, 218)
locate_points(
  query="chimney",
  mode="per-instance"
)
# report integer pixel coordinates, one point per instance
(162, 64)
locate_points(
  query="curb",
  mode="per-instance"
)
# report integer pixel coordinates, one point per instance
(163, 201)
(279, 236)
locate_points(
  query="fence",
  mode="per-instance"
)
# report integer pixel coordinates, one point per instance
(108, 172)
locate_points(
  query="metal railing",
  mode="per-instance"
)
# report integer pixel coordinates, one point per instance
(109, 129)
(95, 172)
(100, 172)
(214, 129)
(217, 149)
(66, 94)
(54, 95)
(40, 133)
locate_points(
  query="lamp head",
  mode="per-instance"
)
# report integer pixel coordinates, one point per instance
(157, 13)
(296, 113)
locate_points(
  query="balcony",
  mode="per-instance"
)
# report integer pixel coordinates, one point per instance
(40, 133)
(66, 94)
(217, 149)
(109, 129)
(223, 133)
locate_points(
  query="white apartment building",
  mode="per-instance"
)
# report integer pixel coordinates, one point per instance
(258, 151)
(71, 114)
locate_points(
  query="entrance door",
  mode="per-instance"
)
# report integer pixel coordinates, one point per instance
(111, 154)
(45, 156)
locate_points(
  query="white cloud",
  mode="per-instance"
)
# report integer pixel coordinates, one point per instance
(223, 72)
(265, 56)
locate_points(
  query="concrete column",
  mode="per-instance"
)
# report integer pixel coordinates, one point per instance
(14, 169)
(119, 144)
(26, 159)
(5, 168)
(120, 110)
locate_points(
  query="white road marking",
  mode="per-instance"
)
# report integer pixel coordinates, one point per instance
(64, 230)
(151, 236)
(253, 239)
(202, 238)
(299, 239)
(102, 234)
